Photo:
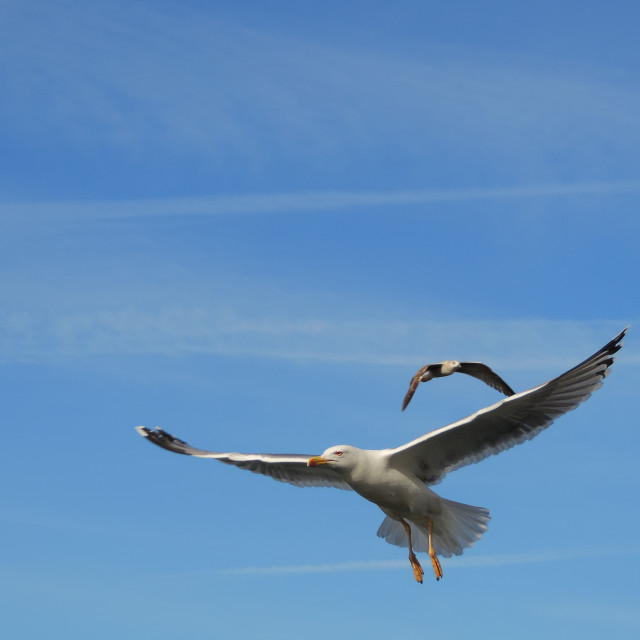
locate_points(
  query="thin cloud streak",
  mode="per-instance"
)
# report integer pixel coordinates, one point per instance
(195, 80)
(502, 560)
(294, 202)
(177, 332)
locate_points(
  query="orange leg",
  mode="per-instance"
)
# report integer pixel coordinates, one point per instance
(432, 554)
(415, 565)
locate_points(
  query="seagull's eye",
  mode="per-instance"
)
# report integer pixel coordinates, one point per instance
(338, 453)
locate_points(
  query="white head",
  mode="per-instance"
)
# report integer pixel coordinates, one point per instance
(342, 456)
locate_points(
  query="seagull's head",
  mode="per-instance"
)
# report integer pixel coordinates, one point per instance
(342, 456)
(447, 367)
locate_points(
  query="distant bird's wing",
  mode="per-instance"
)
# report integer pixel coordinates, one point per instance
(413, 385)
(484, 373)
(291, 468)
(505, 424)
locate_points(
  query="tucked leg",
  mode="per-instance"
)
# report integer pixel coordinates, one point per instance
(415, 565)
(432, 554)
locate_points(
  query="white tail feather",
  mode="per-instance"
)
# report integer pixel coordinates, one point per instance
(457, 527)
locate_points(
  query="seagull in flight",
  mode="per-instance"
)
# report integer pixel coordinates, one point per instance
(398, 480)
(447, 367)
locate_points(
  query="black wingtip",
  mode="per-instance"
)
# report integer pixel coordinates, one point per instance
(618, 339)
(608, 351)
(614, 346)
(163, 439)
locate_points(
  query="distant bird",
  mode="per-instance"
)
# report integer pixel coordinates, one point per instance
(447, 367)
(397, 479)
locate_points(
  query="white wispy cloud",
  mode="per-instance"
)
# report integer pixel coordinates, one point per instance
(175, 332)
(295, 202)
(501, 560)
(194, 79)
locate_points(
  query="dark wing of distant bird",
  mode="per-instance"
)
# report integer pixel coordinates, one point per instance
(413, 385)
(487, 375)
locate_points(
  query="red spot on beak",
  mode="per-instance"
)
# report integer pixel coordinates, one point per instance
(315, 461)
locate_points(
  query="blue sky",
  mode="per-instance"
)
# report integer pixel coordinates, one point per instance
(250, 224)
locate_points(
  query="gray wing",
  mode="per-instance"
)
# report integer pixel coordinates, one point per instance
(487, 375)
(505, 424)
(291, 468)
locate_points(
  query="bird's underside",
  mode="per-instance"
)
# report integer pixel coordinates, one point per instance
(437, 525)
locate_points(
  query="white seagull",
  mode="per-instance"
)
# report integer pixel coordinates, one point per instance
(449, 367)
(397, 480)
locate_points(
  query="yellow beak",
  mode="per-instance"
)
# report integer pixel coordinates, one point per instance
(315, 461)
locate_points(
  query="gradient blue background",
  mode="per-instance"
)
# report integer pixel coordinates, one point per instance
(250, 223)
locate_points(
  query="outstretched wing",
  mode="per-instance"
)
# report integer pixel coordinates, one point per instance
(487, 375)
(505, 424)
(291, 468)
(413, 385)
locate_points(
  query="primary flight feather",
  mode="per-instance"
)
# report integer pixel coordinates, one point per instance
(397, 479)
